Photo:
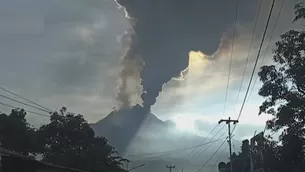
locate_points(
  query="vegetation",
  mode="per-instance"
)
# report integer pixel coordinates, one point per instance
(269, 149)
(284, 92)
(67, 140)
(16, 134)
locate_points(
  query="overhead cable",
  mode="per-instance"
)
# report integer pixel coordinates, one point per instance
(6, 97)
(231, 55)
(175, 150)
(268, 45)
(255, 64)
(14, 107)
(212, 155)
(203, 141)
(26, 99)
(249, 50)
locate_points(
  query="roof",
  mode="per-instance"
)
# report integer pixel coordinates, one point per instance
(6, 152)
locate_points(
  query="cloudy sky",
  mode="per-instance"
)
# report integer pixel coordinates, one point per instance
(67, 53)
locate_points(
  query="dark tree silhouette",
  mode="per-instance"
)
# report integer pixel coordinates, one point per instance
(270, 150)
(240, 161)
(222, 167)
(284, 92)
(69, 141)
(272, 161)
(16, 134)
(284, 84)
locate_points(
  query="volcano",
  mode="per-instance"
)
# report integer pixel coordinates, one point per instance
(134, 132)
(120, 127)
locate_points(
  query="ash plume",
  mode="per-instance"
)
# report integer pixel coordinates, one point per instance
(165, 31)
(132, 64)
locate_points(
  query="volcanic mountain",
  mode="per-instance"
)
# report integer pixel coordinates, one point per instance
(122, 126)
(136, 133)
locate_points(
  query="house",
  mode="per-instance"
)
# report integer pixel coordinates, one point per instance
(14, 162)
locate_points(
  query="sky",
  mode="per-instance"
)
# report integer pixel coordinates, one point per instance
(68, 53)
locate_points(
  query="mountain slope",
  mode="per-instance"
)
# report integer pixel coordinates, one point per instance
(142, 137)
(120, 127)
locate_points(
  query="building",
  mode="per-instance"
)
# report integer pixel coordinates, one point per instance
(256, 156)
(14, 162)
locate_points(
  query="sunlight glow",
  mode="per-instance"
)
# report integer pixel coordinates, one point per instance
(185, 124)
(197, 62)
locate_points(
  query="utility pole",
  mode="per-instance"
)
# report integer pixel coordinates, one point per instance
(170, 167)
(228, 122)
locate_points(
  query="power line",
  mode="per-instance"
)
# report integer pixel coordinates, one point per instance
(14, 107)
(25, 99)
(212, 155)
(231, 55)
(6, 97)
(154, 157)
(236, 141)
(168, 153)
(268, 45)
(218, 159)
(175, 150)
(250, 47)
(209, 146)
(272, 32)
(172, 151)
(202, 141)
(203, 150)
(255, 64)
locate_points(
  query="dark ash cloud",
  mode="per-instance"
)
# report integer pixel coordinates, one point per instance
(167, 30)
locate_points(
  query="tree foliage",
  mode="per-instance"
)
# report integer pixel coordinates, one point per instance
(240, 161)
(269, 150)
(284, 83)
(16, 133)
(284, 92)
(69, 140)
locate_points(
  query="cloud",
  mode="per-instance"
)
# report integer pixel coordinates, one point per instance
(67, 53)
(62, 53)
(206, 84)
(166, 31)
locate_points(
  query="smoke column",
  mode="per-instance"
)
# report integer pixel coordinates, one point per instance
(132, 65)
(165, 31)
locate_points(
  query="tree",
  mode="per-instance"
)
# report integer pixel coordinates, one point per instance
(222, 167)
(272, 161)
(245, 155)
(16, 134)
(270, 150)
(70, 141)
(241, 162)
(284, 92)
